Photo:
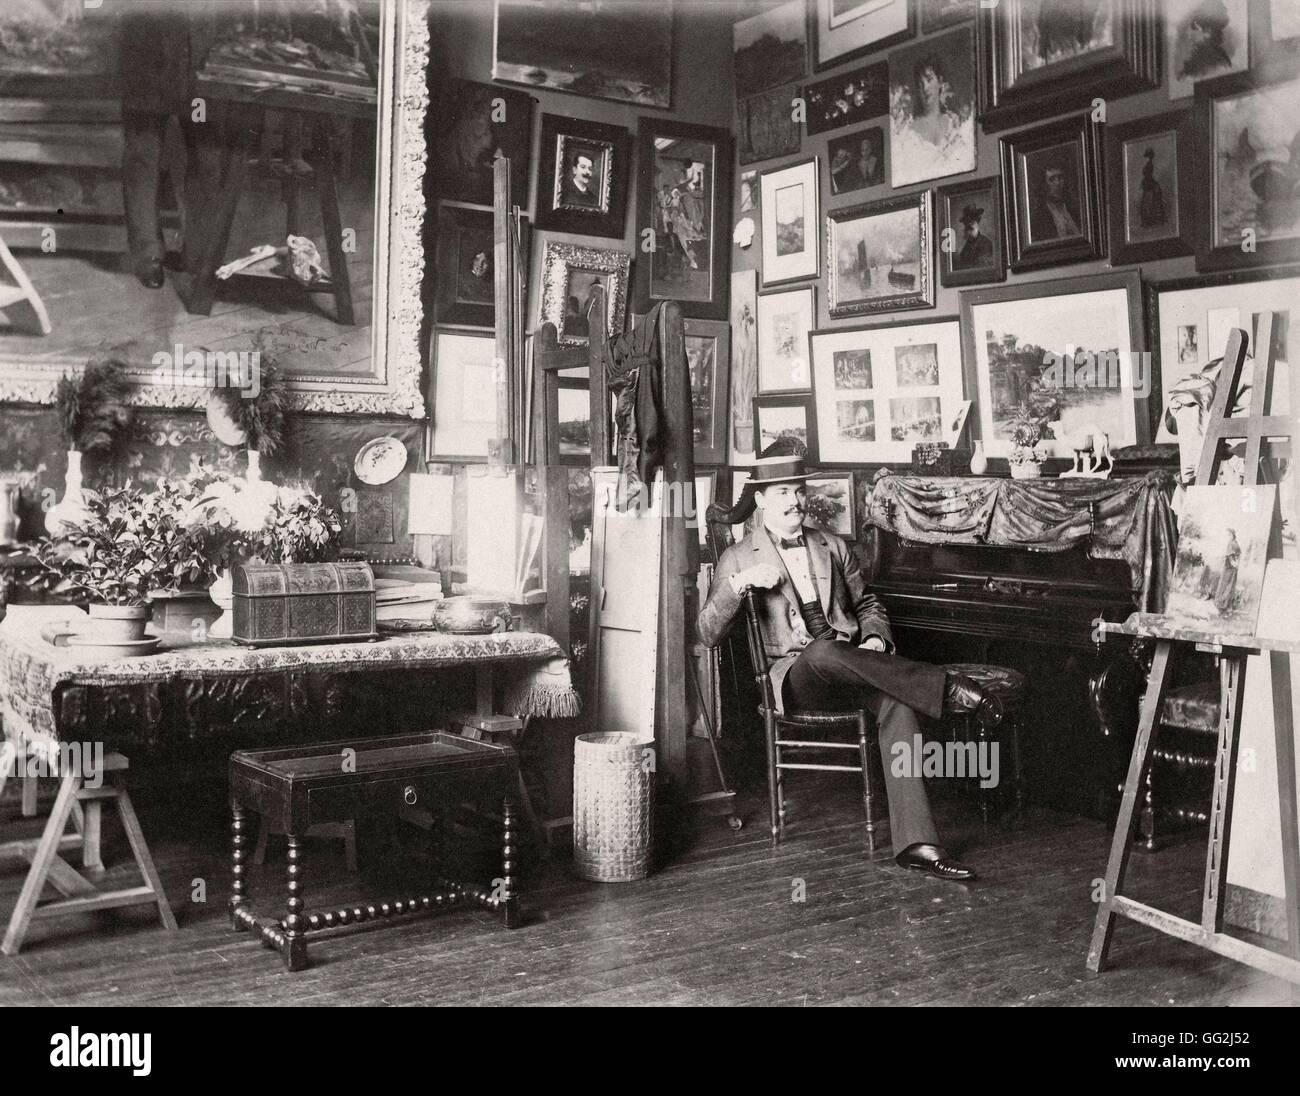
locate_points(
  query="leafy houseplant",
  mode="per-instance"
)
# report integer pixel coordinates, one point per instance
(130, 544)
(93, 416)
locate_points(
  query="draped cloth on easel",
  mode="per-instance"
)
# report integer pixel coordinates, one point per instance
(1128, 519)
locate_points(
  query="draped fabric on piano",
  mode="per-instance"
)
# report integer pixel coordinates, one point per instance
(1126, 519)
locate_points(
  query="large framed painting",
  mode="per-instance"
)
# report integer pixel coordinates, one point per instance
(847, 99)
(1150, 167)
(338, 309)
(587, 47)
(476, 124)
(683, 210)
(882, 389)
(971, 247)
(464, 414)
(583, 176)
(1204, 38)
(1070, 352)
(932, 108)
(744, 363)
(569, 271)
(1051, 177)
(770, 48)
(1249, 133)
(1037, 58)
(767, 126)
(848, 29)
(879, 256)
(465, 261)
(708, 355)
(789, 198)
(857, 160)
(786, 418)
(1188, 320)
(785, 317)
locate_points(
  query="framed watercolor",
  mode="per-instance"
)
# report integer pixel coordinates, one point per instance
(1247, 132)
(857, 160)
(471, 134)
(882, 389)
(770, 48)
(583, 177)
(765, 126)
(708, 357)
(1036, 59)
(602, 51)
(847, 99)
(684, 199)
(1051, 177)
(878, 256)
(1150, 166)
(789, 197)
(932, 108)
(568, 273)
(1203, 40)
(941, 14)
(463, 420)
(830, 505)
(465, 291)
(1070, 349)
(845, 30)
(744, 363)
(971, 245)
(786, 417)
(1188, 320)
(785, 317)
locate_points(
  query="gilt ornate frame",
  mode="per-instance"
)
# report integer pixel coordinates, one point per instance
(393, 386)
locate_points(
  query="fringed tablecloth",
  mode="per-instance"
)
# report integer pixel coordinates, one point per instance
(531, 667)
(1128, 519)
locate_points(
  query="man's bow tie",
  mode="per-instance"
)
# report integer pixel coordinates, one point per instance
(796, 542)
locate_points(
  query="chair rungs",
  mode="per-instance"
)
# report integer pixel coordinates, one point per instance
(823, 768)
(818, 745)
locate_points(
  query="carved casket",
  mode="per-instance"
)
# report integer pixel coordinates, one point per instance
(289, 603)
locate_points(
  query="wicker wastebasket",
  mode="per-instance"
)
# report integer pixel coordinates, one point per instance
(613, 807)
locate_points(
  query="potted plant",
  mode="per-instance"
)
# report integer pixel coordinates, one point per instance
(130, 544)
(93, 416)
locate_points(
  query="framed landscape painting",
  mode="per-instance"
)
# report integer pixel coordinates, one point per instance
(878, 256)
(770, 48)
(786, 418)
(1069, 351)
(881, 390)
(789, 199)
(684, 207)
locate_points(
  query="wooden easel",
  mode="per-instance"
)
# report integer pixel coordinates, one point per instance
(1232, 651)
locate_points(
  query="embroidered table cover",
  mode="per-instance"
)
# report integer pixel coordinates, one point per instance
(33, 671)
(1128, 519)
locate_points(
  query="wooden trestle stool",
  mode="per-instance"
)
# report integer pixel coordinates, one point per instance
(83, 791)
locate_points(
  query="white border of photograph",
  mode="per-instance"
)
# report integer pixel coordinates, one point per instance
(778, 270)
(882, 340)
(866, 24)
(464, 372)
(798, 375)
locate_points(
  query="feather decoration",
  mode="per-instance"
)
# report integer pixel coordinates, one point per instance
(92, 408)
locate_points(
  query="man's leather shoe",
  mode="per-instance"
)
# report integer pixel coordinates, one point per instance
(962, 696)
(929, 858)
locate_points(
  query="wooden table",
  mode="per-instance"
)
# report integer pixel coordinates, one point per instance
(299, 787)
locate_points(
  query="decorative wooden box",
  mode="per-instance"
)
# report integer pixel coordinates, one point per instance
(291, 603)
(938, 460)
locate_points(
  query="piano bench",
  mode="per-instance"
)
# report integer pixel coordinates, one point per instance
(1012, 689)
(1176, 797)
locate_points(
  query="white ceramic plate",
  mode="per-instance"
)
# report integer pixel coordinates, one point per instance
(380, 460)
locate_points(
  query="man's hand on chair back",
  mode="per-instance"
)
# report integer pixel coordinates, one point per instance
(762, 575)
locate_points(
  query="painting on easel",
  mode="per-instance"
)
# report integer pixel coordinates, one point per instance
(1223, 540)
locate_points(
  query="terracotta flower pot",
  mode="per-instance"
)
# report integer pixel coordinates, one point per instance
(113, 623)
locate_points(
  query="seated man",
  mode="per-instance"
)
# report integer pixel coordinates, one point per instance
(830, 645)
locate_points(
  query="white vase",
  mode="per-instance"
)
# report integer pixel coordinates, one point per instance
(223, 597)
(72, 508)
(254, 466)
(979, 463)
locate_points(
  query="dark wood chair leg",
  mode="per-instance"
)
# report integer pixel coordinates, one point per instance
(985, 794)
(509, 893)
(769, 732)
(238, 853)
(295, 925)
(864, 755)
